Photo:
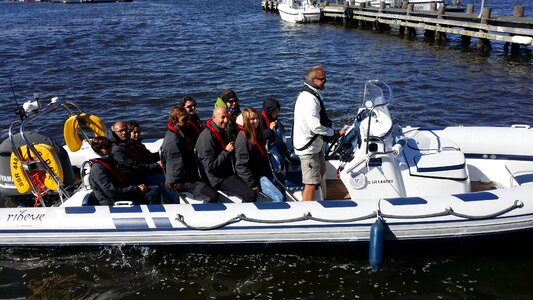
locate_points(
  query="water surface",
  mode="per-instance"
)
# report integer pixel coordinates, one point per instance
(136, 60)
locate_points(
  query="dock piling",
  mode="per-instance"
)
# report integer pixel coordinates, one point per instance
(484, 43)
(519, 11)
(437, 23)
(470, 9)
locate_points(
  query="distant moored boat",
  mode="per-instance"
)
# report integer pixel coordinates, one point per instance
(299, 11)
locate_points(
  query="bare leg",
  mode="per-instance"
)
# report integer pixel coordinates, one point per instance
(308, 192)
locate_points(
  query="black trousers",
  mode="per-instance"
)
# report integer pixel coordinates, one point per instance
(236, 186)
(199, 188)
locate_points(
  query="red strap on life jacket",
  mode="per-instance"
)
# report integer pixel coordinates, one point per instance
(261, 148)
(234, 122)
(267, 119)
(195, 126)
(180, 134)
(133, 152)
(216, 133)
(258, 145)
(121, 177)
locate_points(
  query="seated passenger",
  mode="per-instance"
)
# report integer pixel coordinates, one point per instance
(179, 162)
(269, 120)
(216, 154)
(131, 162)
(251, 163)
(136, 142)
(195, 125)
(274, 131)
(229, 100)
(110, 184)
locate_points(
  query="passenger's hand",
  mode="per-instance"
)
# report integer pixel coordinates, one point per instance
(342, 131)
(256, 189)
(142, 187)
(273, 125)
(160, 164)
(230, 147)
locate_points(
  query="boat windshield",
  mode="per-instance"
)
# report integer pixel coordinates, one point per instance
(376, 93)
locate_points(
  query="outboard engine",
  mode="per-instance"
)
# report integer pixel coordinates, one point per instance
(7, 182)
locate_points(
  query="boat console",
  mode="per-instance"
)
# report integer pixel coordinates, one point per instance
(380, 158)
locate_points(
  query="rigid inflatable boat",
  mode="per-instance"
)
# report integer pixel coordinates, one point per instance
(416, 182)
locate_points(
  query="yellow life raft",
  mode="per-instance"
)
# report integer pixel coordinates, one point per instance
(72, 125)
(49, 158)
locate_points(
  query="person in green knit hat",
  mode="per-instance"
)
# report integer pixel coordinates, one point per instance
(228, 99)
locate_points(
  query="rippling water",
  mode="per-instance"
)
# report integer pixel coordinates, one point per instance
(135, 60)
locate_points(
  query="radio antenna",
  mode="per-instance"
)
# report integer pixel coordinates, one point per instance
(20, 113)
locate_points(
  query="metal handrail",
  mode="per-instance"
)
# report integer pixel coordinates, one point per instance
(65, 104)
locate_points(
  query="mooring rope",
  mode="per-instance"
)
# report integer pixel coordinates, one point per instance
(308, 216)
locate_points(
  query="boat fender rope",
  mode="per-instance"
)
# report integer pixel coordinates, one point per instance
(370, 216)
(450, 211)
(439, 214)
(516, 204)
(242, 217)
(181, 219)
(305, 217)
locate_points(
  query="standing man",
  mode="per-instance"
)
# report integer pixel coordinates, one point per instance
(311, 124)
(216, 153)
(179, 162)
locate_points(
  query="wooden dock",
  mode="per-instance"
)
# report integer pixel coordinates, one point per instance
(514, 30)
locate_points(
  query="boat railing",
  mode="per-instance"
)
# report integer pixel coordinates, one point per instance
(39, 162)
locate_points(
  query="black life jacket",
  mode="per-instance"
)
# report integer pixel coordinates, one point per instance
(324, 120)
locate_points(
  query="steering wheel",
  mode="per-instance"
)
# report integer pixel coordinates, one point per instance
(335, 145)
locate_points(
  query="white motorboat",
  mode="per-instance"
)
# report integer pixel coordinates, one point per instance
(413, 182)
(299, 11)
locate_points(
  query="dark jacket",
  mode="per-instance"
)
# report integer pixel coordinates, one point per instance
(177, 156)
(217, 162)
(250, 164)
(269, 105)
(193, 128)
(108, 188)
(130, 162)
(146, 155)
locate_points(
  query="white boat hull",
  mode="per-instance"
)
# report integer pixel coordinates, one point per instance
(305, 13)
(409, 218)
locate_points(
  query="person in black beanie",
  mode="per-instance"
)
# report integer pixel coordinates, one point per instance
(270, 121)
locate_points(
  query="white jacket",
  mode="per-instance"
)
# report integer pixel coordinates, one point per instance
(307, 124)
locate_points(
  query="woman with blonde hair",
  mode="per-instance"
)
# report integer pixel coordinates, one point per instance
(251, 159)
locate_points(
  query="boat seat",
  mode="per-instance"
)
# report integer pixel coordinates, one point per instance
(521, 172)
(435, 157)
(287, 173)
